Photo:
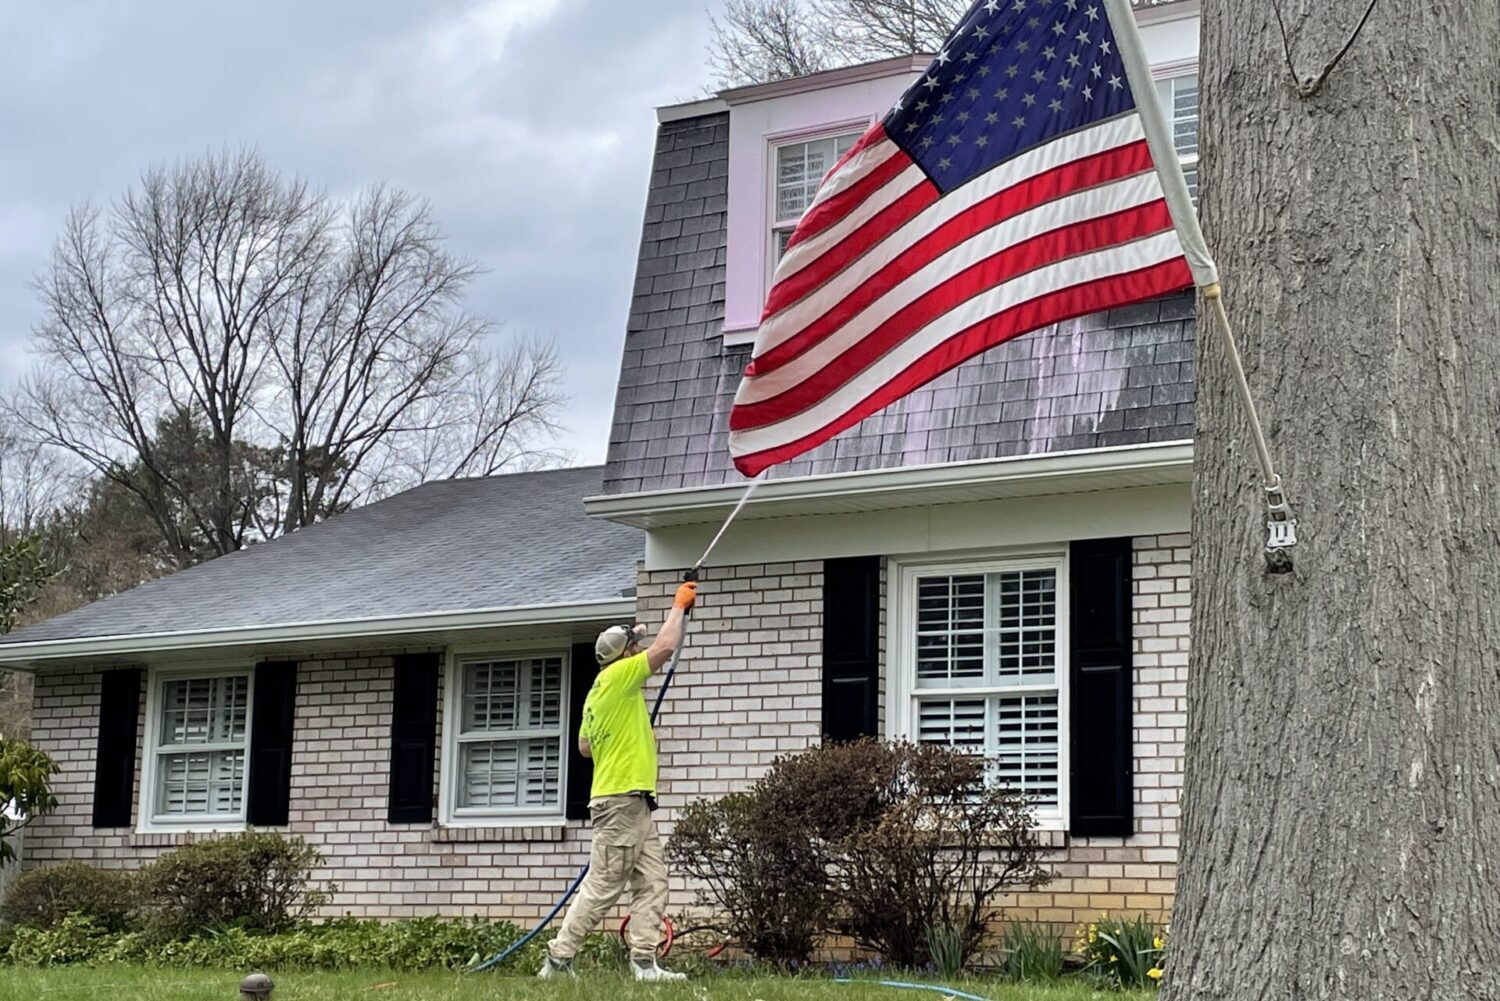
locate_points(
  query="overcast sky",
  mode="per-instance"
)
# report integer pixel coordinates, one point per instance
(527, 123)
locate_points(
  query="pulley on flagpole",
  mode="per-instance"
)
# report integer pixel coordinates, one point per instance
(1281, 527)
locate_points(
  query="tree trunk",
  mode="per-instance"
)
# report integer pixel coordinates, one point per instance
(1341, 834)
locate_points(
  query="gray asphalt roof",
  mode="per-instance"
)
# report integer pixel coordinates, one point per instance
(452, 545)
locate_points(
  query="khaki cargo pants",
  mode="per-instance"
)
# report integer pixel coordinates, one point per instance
(626, 852)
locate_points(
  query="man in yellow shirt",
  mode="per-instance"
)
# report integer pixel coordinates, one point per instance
(616, 733)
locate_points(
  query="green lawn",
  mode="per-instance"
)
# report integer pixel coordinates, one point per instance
(133, 983)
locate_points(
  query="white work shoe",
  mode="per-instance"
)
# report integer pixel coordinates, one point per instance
(555, 968)
(651, 972)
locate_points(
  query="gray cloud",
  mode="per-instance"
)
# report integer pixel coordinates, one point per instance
(527, 123)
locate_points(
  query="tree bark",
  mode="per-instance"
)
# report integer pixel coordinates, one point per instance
(1342, 806)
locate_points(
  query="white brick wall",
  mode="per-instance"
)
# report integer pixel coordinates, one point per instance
(748, 689)
(340, 765)
(749, 685)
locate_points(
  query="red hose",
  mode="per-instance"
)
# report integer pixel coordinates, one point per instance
(662, 950)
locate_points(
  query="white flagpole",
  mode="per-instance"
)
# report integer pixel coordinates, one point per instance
(1281, 527)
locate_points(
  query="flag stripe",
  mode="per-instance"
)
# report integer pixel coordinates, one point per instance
(792, 389)
(972, 268)
(825, 212)
(820, 258)
(1055, 307)
(891, 207)
(1074, 271)
(1066, 194)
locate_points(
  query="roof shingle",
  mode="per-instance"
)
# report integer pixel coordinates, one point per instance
(447, 546)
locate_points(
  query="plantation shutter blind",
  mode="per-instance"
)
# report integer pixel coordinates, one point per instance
(987, 673)
(510, 734)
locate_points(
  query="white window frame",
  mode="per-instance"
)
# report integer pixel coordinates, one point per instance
(1165, 74)
(449, 813)
(149, 821)
(775, 225)
(901, 643)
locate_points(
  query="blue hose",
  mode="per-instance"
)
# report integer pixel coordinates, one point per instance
(504, 954)
(946, 991)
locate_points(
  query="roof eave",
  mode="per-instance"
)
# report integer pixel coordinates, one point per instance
(986, 479)
(823, 79)
(30, 656)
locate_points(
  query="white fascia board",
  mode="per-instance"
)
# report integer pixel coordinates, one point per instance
(25, 656)
(873, 490)
(824, 79)
(690, 109)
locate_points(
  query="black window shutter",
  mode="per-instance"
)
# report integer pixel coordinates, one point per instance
(1099, 792)
(851, 647)
(413, 738)
(114, 761)
(271, 744)
(580, 769)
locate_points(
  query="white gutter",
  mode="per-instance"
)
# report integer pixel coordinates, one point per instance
(1018, 476)
(134, 644)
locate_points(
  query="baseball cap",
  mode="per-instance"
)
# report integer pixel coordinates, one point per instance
(612, 643)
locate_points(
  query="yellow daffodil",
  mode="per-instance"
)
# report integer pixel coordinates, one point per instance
(1113, 958)
(1154, 973)
(1159, 942)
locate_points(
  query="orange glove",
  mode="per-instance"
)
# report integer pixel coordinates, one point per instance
(687, 595)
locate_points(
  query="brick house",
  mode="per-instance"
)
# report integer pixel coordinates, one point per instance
(999, 561)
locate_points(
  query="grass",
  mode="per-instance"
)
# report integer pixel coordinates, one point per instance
(135, 983)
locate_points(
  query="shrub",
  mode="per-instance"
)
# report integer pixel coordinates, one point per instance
(912, 836)
(25, 778)
(756, 872)
(406, 946)
(42, 898)
(1123, 953)
(256, 880)
(76, 940)
(881, 842)
(1033, 952)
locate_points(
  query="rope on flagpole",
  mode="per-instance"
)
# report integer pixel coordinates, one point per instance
(1281, 527)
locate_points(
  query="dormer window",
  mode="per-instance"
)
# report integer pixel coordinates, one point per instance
(783, 138)
(800, 167)
(1179, 102)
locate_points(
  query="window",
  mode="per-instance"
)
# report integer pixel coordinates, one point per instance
(1179, 101)
(198, 740)
(507, 745)
(987, 655)
(800, 167)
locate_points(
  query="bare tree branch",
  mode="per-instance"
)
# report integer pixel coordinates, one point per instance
(243, 356)
(756, 41)
(761, 40)
(856, 31)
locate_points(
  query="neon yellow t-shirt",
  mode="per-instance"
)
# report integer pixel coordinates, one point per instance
(618, 729)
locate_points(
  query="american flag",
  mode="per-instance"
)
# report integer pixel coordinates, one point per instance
(1011, 187)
